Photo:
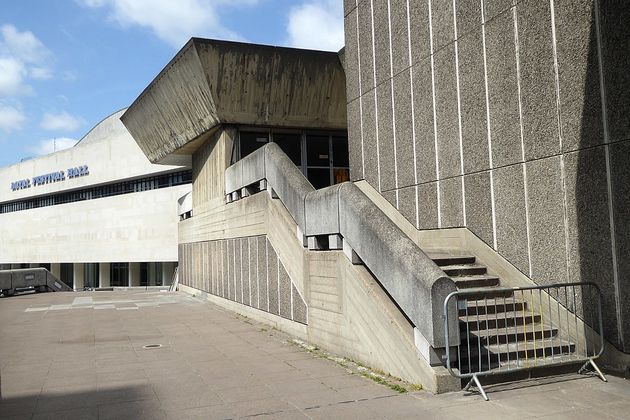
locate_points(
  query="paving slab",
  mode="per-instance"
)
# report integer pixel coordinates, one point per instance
(79, 356)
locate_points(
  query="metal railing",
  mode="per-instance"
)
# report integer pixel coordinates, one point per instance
(504, 330)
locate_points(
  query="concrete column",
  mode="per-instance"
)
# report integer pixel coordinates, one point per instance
(78, 276)
(167, 273)
(103, 274)
(55, 269)
(134, 274)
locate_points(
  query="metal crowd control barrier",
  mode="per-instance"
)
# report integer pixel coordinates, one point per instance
(504, 330)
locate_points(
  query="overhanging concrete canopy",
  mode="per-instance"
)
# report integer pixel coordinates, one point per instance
(211, 82)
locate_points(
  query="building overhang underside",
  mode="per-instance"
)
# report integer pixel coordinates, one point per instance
(210, 83)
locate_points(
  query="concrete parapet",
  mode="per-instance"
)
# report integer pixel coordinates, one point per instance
(343, 211)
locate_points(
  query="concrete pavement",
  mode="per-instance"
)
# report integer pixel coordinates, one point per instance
(83, 355)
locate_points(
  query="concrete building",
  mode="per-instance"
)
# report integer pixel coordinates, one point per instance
(96, 215)
(506, 119)
(487, 147)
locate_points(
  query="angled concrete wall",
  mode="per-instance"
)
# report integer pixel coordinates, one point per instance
(509, 118)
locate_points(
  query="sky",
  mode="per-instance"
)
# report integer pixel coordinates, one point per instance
(67, 64)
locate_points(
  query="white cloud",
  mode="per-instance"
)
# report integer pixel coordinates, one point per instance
(48, 146)
(11, 118)
(61, 121)
(316, 24)
(172, 21)
(22, 57)
(23, 45)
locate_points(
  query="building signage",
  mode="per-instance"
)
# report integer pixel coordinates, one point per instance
(50, 178)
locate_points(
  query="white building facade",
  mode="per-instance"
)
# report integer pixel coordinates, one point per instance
(96, 215)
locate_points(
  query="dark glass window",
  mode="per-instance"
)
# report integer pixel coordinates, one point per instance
(291, 145)
(67, 274)
(90, 275)
(119, 275)
(250, 142)
(340, 151)
(317, 150)
(151, 274)
(142, 184)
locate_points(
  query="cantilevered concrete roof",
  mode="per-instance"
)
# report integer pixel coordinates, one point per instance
(211, 82)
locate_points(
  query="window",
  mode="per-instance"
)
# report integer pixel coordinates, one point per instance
(151, 274)
(125, 187)
(67, 274)
(119, 275)
(90, 275)
(322, 157)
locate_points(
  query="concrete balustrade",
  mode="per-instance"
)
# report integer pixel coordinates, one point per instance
(412, 279)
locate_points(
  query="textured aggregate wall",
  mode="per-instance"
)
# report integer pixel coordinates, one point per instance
(511, 118)
(244, 270)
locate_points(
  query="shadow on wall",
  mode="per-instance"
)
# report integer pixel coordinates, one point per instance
(597, 180)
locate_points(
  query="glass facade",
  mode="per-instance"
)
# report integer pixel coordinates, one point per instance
(90, 275)
(119, 274)
(108, 190)
(151, 274)
(322, 157)
(67, 273)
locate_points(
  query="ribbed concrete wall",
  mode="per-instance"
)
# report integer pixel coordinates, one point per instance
(507, 117)
(244, 270)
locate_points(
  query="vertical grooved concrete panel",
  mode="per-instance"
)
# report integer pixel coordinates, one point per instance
(381, 41)
(620, 172)
(423, 111)
(452, 202)
(253, 270)
(352, 56)
(227, 258)
(473, 102)
(386, 137)
(538, 83)
(442, 21)
(366, 46)
(590, 244)
(479, 206)
(404, 129)
(493, 8)
(614, 18)
(427, 206)
(299, 307)
(238, 281)
(468, 16)
(419, 29)
(400, 36)
(245, 270)
(447, 113)
(272, 275)
(370, 150)
(285, 293)
(546, 221)
(355, 153)
(578, 71)
(263, 288)
(509, 194)
(407, 204)
(503, 91)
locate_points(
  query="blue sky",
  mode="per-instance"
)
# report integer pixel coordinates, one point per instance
(67, 64)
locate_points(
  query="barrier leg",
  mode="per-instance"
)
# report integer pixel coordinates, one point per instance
(595, 368)
(475, 380)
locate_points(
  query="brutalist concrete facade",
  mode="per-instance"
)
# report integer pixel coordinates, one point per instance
(510, 118)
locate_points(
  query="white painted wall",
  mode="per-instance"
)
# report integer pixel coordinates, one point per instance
(108, 150)
(137, 227)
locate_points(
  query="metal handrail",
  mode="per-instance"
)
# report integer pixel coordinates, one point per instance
(556, 319)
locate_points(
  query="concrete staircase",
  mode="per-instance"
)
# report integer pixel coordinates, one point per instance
(498, 330)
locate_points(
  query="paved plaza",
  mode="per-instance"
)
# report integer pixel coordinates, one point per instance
(212, 363)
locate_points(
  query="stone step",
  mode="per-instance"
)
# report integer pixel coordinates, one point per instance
(481, 293)
(499, 320)
(509, 334)
(493, 305)
(524, 353)
(467, 282)
(463, 269)
(443, 259)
